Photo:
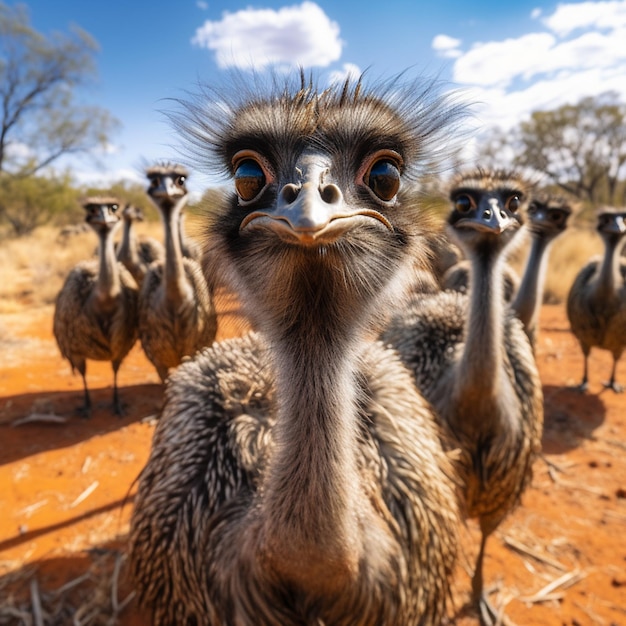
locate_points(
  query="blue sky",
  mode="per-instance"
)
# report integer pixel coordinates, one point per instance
(510, 58)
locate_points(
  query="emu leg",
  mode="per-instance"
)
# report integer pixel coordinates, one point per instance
(584, 385)
(487, 615)
(118, 409)
(613, 384)
(84, 410)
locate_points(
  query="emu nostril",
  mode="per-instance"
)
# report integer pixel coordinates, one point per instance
(330, 194)
(487, 214)
(289, 193)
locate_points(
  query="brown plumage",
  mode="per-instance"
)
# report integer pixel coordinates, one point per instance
(95, 315)
(547, 219)
(472, 359)
(596, 304)
(137, 254)
(177, 315)
(296, 476)
(445, 254)
(442, 254)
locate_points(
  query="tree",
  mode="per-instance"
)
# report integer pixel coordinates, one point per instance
(495, 148)
(581, 148)
(40, 120)
(34, 200)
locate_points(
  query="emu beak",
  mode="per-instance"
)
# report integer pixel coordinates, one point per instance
(101, 216)
(620, 224)
(166, 189)
(489, 217)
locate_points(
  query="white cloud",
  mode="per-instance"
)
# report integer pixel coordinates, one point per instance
(447, 47)
(536, 13)
(584, 15)
(349, 70)
(537, 54)
(18, 152)
(499, 62)
(294, 35)
(582, 53)
(498, 107)
(108, 149)
(202, 5)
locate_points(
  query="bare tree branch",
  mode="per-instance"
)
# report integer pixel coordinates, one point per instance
(38, 78)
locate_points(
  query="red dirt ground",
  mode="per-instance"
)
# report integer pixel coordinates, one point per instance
(66, 488)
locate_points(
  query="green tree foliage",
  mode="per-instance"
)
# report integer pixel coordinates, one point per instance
(36, 200)
(40, 118)
(580, 147)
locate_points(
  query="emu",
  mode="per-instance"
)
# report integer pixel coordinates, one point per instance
(177, 314)
(95, 315)
(596, 303)
(472, 360)
(547, 216)
(296, 475)
(137, 255)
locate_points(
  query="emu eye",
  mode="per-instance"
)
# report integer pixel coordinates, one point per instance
(180, 180)
(463, 203)
(250, 179)
(154, 181)
(513, 203)
(557, 216)
(383, 178)
(114, 207)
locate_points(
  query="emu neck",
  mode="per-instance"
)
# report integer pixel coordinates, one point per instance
(478, 372)
(174, 271)
(128, 248)
(109, 284)
(609, 269)
(310, 503)
(528, 299)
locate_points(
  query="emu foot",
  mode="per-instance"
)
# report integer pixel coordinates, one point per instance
(83, 411)
(583, 387)
(119, 409)
(488, 616)
(615, 386)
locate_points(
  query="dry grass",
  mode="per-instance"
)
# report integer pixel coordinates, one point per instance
(96, 597)
(40, 262)
(568, 255)
(569, 252)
